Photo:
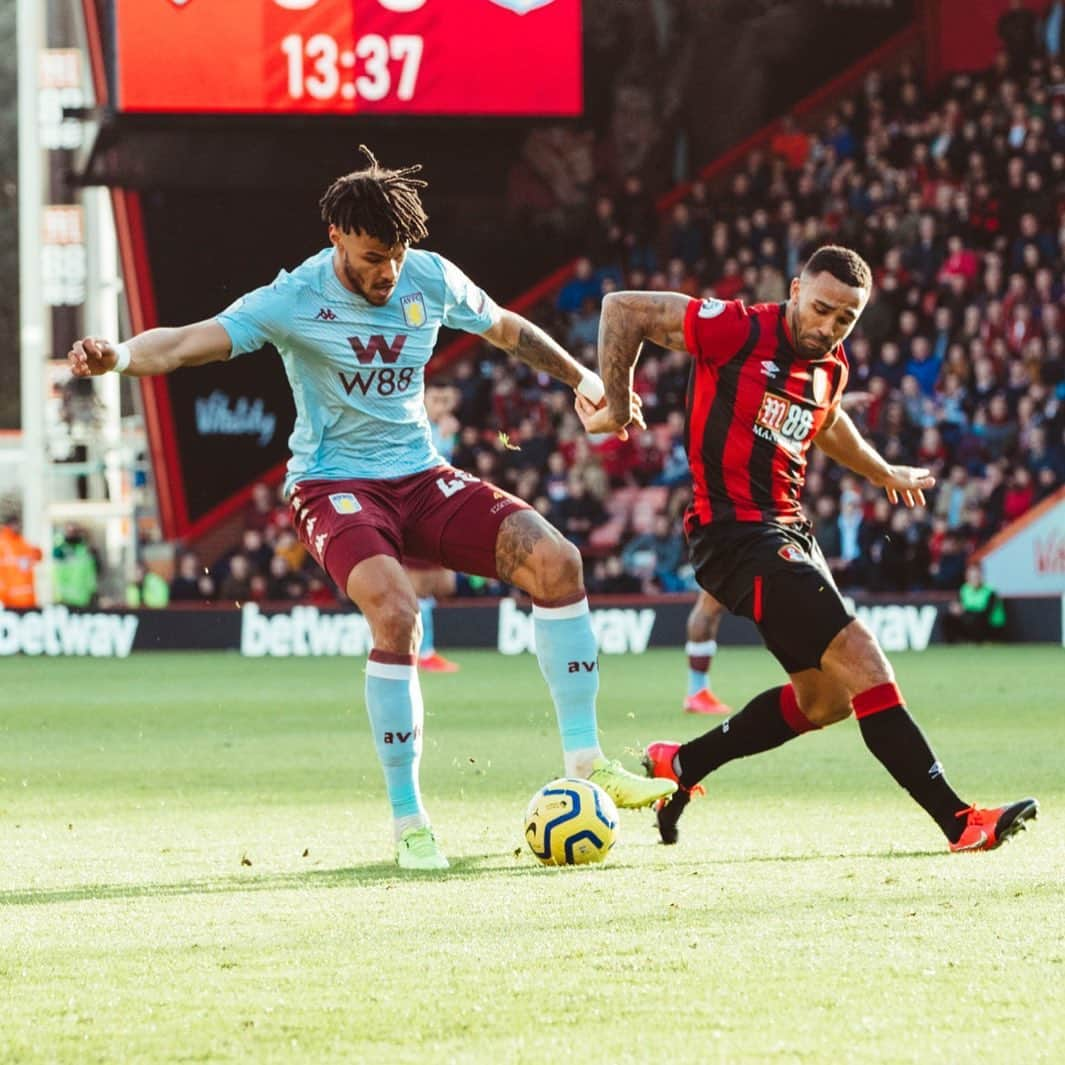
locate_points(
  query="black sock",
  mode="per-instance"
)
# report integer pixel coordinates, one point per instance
(893, 736)
(767, 721)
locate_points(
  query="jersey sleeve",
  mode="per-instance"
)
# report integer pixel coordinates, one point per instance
(466, 305)
(258, 318)
(715, 330)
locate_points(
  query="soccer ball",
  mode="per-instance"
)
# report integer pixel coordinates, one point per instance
(571, 822)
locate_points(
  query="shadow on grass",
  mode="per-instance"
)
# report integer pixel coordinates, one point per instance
(847, 856)
(368, 875)
(377, 873)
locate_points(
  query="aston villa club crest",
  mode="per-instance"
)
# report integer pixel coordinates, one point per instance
(345, 503)
(413, 309)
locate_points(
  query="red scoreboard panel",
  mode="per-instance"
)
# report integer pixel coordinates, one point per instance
(425, 57)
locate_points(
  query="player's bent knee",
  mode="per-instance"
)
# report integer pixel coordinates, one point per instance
(557, 569)
(822, 701)
(537, 558)
(396, 626)
(828, 712)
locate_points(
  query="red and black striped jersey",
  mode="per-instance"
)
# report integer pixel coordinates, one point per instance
(754, 407)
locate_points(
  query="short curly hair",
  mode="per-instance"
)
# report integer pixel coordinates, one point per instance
(842, 263)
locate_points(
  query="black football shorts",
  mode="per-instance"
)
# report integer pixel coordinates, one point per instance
(776, 576)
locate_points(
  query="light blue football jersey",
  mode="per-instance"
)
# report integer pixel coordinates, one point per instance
(357, 371)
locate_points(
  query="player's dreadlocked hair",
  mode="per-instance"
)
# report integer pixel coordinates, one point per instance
(842, 263)
(385, 204)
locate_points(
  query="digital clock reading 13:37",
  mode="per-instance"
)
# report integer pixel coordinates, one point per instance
(444, 57)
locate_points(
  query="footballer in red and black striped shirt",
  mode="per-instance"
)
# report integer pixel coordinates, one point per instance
(755, 404)
(766, 384)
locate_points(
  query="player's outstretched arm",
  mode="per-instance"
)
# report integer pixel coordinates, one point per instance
(519, 337)
(626, 321)
(156, 351)
(841, 441)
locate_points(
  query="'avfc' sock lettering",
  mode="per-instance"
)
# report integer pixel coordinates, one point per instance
(425, 610)
(394, 704)
(568, 655)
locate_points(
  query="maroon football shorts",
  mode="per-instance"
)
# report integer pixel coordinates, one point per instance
(442, 516)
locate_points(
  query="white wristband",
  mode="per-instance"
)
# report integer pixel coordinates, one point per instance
(122, 357)
(591, 386)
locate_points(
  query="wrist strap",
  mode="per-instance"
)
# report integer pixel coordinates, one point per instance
(122, 357)
(591, 386)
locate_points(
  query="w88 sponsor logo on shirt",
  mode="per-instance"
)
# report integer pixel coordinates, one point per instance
(785, 418)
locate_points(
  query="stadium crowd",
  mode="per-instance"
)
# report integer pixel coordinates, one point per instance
(957, 200)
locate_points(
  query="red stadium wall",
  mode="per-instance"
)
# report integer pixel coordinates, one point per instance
(964, 33)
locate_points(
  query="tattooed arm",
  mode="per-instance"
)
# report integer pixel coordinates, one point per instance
(627, 320)
(518, 336)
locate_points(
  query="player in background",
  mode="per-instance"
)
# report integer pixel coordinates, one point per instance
(704, 619)
(355, 325)
(767, 382)
(430, 583)
(701, 646)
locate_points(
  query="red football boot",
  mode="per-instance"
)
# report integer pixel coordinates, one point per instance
(437, 663)
(658, 761)
(987, 829)
(705, 702)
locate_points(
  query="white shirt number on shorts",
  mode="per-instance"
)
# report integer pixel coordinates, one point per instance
(456, 484)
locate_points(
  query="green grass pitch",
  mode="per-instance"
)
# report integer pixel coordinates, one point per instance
(197, 866)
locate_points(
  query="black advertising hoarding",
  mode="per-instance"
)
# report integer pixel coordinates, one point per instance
(232, 423)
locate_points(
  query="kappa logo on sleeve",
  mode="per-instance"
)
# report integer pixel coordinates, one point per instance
(711, 308)
(345, 503)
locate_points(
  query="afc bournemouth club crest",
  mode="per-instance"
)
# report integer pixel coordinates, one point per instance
(413, 310)
(711, 308)
(790, 553)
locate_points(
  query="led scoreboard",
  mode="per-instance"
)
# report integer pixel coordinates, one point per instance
(427, 57)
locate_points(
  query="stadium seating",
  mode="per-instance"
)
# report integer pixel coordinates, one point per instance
(956, 197)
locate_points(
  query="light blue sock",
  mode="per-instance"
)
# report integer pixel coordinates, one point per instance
(568, 657)
(394, 703)
(699, 656)
(425, 609)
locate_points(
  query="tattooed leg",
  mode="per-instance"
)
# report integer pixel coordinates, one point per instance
(538, 559)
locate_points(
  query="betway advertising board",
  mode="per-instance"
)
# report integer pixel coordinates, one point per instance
(622, 626)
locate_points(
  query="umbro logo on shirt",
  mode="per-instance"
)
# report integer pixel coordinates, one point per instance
(770, 368)
(325, 315)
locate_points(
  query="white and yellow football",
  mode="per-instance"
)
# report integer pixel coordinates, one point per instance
(571, 822)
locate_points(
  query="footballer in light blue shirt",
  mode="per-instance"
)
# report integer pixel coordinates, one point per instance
(355, 326)
(357, 367)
